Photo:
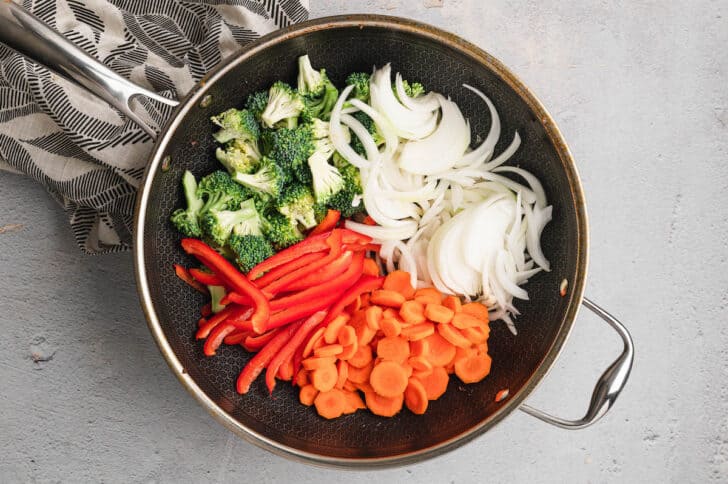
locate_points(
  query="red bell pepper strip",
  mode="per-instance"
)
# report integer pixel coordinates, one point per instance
(234, 297)
(261, 359)
(290, 347)
(205, 328)
(218, 334)
(236, 337)
(288, 267)
(206, 310)
(364, 284)
(185, 276)
(328, 223)
(255, 342)
(232, 277)
(336, 285)
(334, 242)
(206, 278)
(316, 243)
(282, 318)
(349, 237)
(323, 274)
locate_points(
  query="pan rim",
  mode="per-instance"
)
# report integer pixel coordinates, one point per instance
(464, 47)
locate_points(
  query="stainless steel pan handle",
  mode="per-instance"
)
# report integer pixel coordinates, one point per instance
(609, 385)
(24, 32)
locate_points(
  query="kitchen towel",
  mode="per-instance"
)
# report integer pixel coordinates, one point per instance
(88, 156)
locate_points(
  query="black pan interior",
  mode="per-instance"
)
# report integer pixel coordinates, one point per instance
(515, 358)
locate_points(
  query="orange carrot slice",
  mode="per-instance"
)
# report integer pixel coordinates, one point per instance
(418, 331)
(384, 406)
(362, 357)
(342, 367)
(373, 316)
(438, 313)
(477, 310)
(453, 303)
(330, 404)
(464, 320)
(314, 363)
(412, 312)
(415, 397)
(393, 348)
(388, 379)
(453, 335)
(328, 350)
(349, 351)
(307, 394)
(325, 377)
(428, 295)
(435, 383)
(388, 298)
(439, 351)
(472, 369)
(332, 330)
(360, 375)
(390, 327)
(308, 349)
(400, 282)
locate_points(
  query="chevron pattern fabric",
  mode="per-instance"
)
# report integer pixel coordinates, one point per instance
(88, 156)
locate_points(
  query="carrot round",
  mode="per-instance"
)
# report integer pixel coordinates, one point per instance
(388, 379)
(439, 351)
(364, 334)
(418, 331)
(453, 303)
(384, 406)
(419, 363)
(464, 320)
(362, 357)
(400, 282)
(477, 310)
(472, 369)
(353, 402)
(390, 327)
(439, 313)
(314, 363)
(475, 335)
(328, 350)
(342, 369)
(373, 316)
(393, 348)
(427, 295)
(346, 335)
(360, 375)
(370, 267)
(415, 397)
(312, 340)
(307, 394)
(302, 378)
(435, 382)
(332, 330)
(349, 351)
(453, 335)
(385, 297)
(325, 377)
(412, 312)
(420, 347)
(330, 404)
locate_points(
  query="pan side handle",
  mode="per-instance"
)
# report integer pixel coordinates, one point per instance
(29, 36)
(609, 385)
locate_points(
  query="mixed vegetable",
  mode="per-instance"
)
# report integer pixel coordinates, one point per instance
(319, 194)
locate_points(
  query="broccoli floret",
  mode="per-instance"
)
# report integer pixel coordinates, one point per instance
(219, 224)
(360, 81)
(412, 89)
(250, 250)
(220, 192)
(343, 201)
(239, 156)
(310, 81)
(256, 103)
(297, 203)
(321, 106)
(216, 294)
(268, 179)
(236, 124)
(280, 231)
(369, 124)
(327, 180)
(290, 150)
(319, 128)
(284, 105)
(186, 220)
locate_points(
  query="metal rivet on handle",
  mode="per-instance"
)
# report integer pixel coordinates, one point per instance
(206, 101)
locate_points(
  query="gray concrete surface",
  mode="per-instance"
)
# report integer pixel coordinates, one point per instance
(640, 91)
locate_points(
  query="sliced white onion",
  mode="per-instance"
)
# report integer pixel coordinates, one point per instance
(505, 156)
(404, 231)
(502, 262)
(370, 147)
(537, 218)
(531, 180)
(339, 137)
(428, 102)
(385, 128)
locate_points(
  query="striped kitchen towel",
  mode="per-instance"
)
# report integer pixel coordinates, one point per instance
(89, 157)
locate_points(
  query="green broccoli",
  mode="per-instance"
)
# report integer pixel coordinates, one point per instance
(219, 224)
(268, 179)
(220, 192)
(236, 124)
(239, 156)
(413, 89)
(280, 230)
(360, 81)
(250, 250)
(290, 149)
(256, 103)
(187, 220)
(284, 106)
(216, 294)
(344, 201)
(369, 124)
(297, 203)
(310, 81)
(319, 129)
(327, 180)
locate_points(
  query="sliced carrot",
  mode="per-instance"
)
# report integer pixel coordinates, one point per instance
(439, 351)
(420, 374)
(418, 331)
(285, 371)
(482, 348)
(475, 335)
(364, 387)
(385, 297)
(388, 379)
(453, 335)
(370, 267)
(390, 327)
(354, 306)
(472, 369)
(328, 350)
(384, 406)
(391, 313)
(307, 394)
(302, 378)
(349, 351)
(325, 377)
(373, 316)
(314, 363)
(346, 336)
(364, 334)
(332, 330)
(464, 320)
(353, 402)
(408, 370)
(415, 397)
(439, 313)
(308, 349)
(428, 295)
(330, 404)
(360, 375)
(412, 312)
(419, 363)
(319, 343)
(435, 383)
(350, 386)
(463, 353)
(400, 282)
(453, 303)
(420, 347)
(342, 367)
(393, 348)
(476, 309)
(364, 300)
(450, 369)
(362, 357)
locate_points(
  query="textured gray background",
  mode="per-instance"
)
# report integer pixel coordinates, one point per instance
(639, 90)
